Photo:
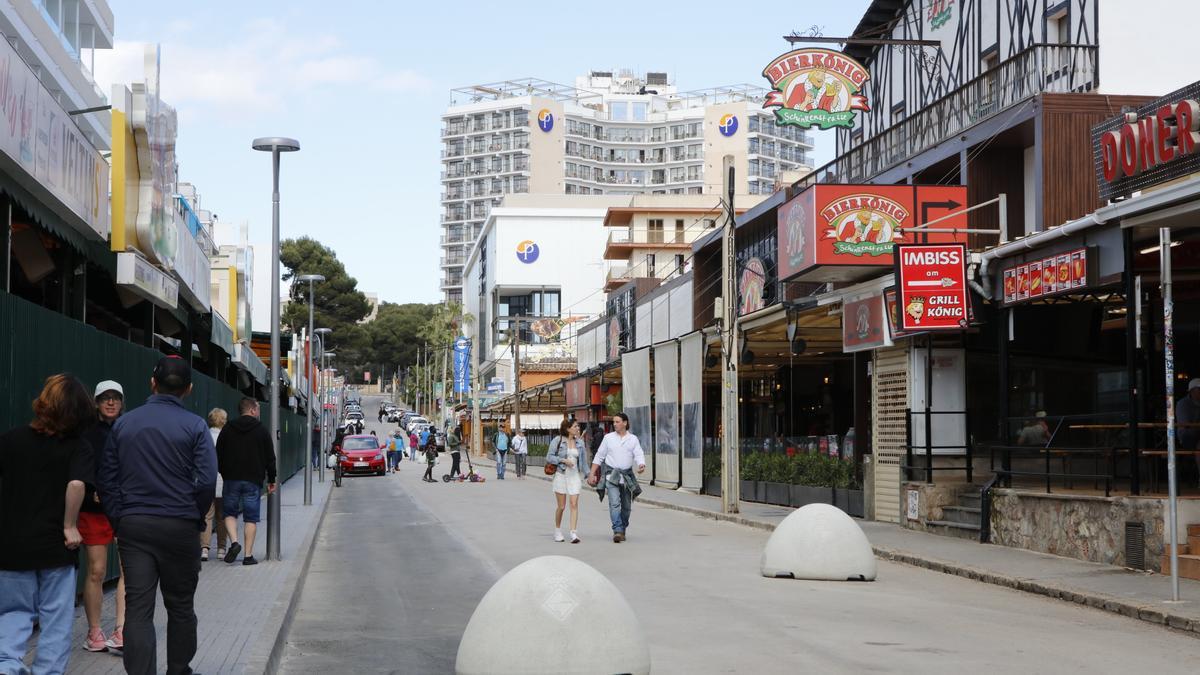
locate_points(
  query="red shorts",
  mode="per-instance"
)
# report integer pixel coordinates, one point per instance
(95, 529)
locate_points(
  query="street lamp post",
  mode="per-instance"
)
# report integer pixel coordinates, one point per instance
(274, 145)
(308, 362)
(324, 439)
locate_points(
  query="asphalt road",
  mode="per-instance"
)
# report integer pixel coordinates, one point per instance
(400, 565)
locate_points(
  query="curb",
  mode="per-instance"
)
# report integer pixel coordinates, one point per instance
(285, 609)
(1152, 613)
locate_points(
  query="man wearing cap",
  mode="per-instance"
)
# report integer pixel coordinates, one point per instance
(97, 531)
(157, 477)
(1187, 411)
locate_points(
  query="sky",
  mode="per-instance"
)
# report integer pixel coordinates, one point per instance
(363, 84)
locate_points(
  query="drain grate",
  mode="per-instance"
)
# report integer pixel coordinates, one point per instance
(1135, 545)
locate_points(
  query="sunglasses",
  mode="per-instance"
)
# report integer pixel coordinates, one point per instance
(109, 398)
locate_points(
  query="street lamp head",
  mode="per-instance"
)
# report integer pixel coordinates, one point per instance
(331, 355)
(276, 144)
(323, 331)
(310, 277)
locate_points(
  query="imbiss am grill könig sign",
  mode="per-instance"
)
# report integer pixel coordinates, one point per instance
(932, 281)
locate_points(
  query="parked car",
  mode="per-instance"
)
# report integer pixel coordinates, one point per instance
(414, 421)
(362, 453)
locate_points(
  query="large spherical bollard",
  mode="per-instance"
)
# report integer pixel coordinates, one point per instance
(820, 542)
(553, 614)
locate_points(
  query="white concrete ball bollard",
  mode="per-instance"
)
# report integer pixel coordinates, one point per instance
(557, 615)
(819, 542)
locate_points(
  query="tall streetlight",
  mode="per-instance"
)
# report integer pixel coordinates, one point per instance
(274, 145)
(320, 358)
(311, 279)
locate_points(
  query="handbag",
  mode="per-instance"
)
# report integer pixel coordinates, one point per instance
(550, 469)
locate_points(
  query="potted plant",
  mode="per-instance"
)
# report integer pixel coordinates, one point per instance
(776, 478)
(712, 474)
(810, 480)
(751, 475)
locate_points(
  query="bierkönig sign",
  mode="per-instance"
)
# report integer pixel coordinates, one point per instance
(932, 281)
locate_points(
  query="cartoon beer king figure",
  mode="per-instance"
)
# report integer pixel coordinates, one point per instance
(916, 308)
(829, 99)
(814, 82)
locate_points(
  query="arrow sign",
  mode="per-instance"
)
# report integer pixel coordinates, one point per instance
(948, 205)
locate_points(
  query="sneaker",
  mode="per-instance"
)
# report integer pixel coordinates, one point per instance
(249, 560)
(558, 535)
(621, 535)
(234, 549)
(616, 538)
(221, 553)
(204, 554)
(574, 537)
(116, 643)
(95, 641)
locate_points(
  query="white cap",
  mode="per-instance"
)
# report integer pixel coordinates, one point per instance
(1194, 384)
(109, 385)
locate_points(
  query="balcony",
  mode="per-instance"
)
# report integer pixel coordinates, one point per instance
(453, 217)
(453, 152)
(1041, 68)
(621, 243)
(616, 276)
(453, 260)
(452, 239)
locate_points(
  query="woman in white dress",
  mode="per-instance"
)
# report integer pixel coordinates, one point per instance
(569, 453)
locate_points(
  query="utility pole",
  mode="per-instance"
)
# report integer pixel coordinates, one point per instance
(730, 485)
(445, 389)
(417, 389)
(517, 375)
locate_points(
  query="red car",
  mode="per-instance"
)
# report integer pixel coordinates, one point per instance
(362, 453)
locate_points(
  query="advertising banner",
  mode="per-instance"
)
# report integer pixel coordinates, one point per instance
(816, 88)
(462, 364)
(863, 325)
(1054, 274)
(635, 369)
(932, 283)
(691, 438)
(842, 227)
(666, 414)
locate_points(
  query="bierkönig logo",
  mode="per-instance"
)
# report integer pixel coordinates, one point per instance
(545, 120)
(816, 88)
(728, 125)
(864, 224)
(528, 251)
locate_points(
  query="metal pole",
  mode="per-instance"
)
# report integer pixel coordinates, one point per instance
(1164, 256)
(273, 521)
(321, 409)
(1132, 330)
(517, 375)
(308, 399)
(730, 483)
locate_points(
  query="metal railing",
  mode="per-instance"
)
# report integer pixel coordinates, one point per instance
(1040, 68)
(963, 450)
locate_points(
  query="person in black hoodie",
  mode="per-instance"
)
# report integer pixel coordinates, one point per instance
(245, 457)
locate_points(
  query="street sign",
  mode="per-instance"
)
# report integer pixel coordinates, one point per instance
(932, 281)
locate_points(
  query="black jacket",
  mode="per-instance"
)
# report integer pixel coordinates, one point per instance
(96, 436)
(245, 452)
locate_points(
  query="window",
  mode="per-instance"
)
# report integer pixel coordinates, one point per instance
(679, 231)
(654, 229)
(618, 110)
(639, 111)
(680, 262)
(650, 264)
(534, 304)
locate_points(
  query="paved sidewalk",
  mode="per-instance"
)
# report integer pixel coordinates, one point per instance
(243, 611)
(1140, 595)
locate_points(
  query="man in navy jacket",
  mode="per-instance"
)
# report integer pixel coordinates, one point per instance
(157, 476)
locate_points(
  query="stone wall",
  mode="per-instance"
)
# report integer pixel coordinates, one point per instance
(931, 499)
(1082, 527)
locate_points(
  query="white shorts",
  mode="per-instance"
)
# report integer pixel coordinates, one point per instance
(568, 482)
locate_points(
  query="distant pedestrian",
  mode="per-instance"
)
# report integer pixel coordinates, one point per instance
(569, 454)
(157, 478)
(316, 447)
(44, 468)
(612, 473)
(413, 446)
(501, 452)
(97, 531)
(520, 451)
(217, 417)
(247, 458)
(396, 450)
(454, 444)
(425, 437)
(430, 460)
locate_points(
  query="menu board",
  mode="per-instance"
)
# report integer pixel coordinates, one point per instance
(1055, 274)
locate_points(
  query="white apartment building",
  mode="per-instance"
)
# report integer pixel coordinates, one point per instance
(610, 134)
(58, 39)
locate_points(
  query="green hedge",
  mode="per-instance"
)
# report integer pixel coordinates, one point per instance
(810, 469)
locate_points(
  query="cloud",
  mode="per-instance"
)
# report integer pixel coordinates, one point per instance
(259, 70)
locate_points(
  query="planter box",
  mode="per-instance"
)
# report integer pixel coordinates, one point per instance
(712, 486)
(533, 460)
(853, 501)
(777, 493)
(802, 495)
(749, 489)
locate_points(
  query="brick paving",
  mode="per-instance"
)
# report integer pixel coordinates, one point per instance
(241, 610)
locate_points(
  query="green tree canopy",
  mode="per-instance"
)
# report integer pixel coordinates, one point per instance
(338, 304)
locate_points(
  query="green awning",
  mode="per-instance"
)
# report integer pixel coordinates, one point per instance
(97, 252)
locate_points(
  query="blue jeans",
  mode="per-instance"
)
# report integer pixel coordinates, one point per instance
(501, 458)
(242, 498)
(47, 595)
(619, 506)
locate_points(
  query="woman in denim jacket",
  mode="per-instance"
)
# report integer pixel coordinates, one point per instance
(569, 453)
